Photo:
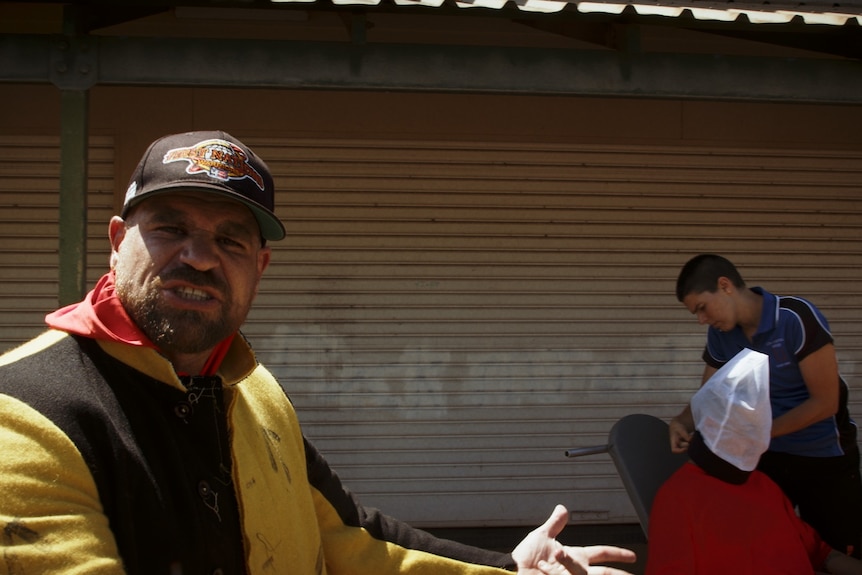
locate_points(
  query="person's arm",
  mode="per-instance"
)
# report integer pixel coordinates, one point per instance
(50, 513)
(352, 514)
(351, 526)
(682, 426)
(820, 373)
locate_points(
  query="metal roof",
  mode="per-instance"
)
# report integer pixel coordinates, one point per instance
(830, 13)
(789, 53)
(808, 53)
(823, 12)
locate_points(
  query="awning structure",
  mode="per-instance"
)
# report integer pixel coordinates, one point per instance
(755, 13)
(781, 51)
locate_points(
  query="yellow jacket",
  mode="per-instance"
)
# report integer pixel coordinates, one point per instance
(110, 464)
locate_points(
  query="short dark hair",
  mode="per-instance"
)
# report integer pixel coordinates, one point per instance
(701, 274)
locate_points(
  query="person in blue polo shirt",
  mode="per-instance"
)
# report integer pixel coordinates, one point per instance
(813, 455)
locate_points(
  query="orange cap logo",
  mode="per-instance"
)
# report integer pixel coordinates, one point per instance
(218, 159)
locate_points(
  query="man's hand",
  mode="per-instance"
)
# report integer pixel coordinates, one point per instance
(679, 436)
(541, 554)
(681, 428)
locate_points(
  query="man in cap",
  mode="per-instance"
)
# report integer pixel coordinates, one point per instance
(717, 514)
(140, 435)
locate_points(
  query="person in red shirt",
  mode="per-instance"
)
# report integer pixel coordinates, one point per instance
(717, 514)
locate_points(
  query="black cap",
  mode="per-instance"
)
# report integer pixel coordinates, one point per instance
(211, 161)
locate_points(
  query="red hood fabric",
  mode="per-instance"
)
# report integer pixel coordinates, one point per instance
(101, 315)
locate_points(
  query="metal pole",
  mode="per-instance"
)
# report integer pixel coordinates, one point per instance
(73, 68)
(73, 195)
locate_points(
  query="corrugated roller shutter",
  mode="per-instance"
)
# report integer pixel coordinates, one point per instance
(29, 228)
(449, 319)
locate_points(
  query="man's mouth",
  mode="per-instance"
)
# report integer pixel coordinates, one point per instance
(191, 293)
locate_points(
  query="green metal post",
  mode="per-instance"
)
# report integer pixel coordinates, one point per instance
(73, 69)
(73, 195)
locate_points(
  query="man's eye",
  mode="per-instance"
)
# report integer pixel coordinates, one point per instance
(232, 243)
(171, 230)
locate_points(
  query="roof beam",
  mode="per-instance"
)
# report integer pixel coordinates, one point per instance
(80, 62)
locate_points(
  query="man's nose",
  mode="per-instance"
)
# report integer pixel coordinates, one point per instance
(200, 251)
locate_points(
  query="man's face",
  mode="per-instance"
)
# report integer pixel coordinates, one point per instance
(713, 308)
(187, 266)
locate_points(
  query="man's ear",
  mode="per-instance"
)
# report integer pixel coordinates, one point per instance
(725, 285)
(116, 233)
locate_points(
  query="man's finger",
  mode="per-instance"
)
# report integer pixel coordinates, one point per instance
(556, 522)
(605, 553)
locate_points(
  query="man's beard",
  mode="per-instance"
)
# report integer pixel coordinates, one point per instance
(180, 331)
(170, 329)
